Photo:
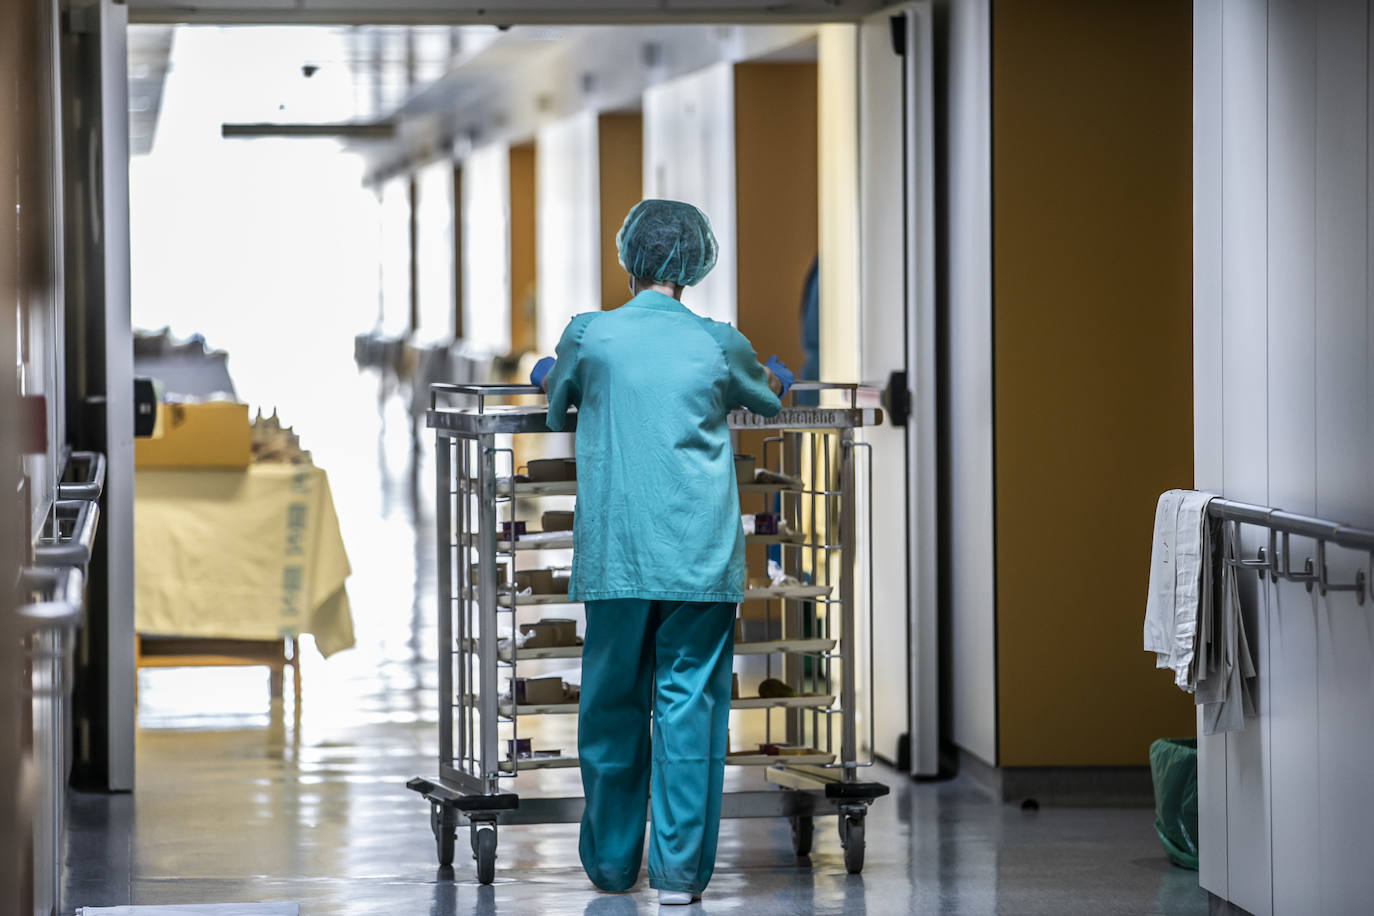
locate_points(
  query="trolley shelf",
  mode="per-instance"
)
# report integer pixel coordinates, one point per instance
(565, 541)
(569, 487)
(731, 760)
(540, 763)
(770, 646)
(765, 647)
(804, 701)
(794, 539)
(767, 760)
(771, 593)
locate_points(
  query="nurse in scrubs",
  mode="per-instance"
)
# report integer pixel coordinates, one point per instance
(658, 551)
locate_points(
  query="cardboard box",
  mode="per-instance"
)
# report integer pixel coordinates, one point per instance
(538, 581)
(539, 691)
(550, 470)
(549, 633)
(212, 434)
(558, 520)
(474, 578)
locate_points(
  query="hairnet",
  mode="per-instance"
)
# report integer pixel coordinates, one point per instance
(666, 241)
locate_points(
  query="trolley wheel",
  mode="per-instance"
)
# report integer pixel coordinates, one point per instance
(852, 838)
(484, 851)
(803, 829)
(445, 829)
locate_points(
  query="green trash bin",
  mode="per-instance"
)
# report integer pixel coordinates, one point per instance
(1173, 767)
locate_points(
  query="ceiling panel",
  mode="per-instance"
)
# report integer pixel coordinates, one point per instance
(150, 51)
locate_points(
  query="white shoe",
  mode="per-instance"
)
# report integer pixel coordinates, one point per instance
(675, 898)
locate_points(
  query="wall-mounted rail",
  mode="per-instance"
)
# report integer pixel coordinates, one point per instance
(1275, 562)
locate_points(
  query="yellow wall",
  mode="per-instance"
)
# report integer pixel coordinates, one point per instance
(523, 326)
(775, 200)
(776, 221)
(620, 151)
(838, 168)
(1092, 365)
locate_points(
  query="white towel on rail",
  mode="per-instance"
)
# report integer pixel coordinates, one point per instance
(1180, 582)
(1193, 620)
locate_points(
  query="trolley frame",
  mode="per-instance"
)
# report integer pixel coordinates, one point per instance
(469, 494)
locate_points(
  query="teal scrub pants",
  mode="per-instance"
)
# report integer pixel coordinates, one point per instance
(673, 658)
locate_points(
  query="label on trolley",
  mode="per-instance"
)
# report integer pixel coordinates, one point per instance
(797, 417)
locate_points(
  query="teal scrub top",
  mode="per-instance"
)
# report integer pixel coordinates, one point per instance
(658, 514)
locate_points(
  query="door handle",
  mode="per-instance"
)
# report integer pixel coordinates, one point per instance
(75, 522)
(90, 484)
(61, 604)
(897, 398)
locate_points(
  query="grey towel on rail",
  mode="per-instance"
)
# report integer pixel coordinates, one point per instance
(1227, 671)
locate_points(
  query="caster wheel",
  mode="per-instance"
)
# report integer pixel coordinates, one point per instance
(444, 842)
(852, 836)
(445, 835)
(803, 828)
(484, 851)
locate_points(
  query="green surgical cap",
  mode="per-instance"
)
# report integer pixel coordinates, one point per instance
(666, 241)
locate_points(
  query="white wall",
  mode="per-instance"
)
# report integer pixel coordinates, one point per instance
(969, 567)
(486, 247)
(395, 257)
(1284, 415)
(567, 223)
(881, 327)
(543, 81)
(434, 251)
(689, 154)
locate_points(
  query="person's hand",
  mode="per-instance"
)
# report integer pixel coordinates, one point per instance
(541, 371)
(781, 373)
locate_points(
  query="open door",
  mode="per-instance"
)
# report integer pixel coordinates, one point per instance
(100, 376)
(897, 346)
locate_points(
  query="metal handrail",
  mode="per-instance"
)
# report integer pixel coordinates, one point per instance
(481, 390)
(1290, 522)
(1282, 524)
(477, 390)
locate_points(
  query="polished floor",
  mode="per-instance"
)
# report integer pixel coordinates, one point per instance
(243, 800)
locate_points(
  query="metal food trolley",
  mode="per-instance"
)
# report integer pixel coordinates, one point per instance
(806, 636)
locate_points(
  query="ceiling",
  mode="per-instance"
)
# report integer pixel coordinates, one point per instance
(389, 50)
(441, 89)
(495, 12)
(294, 74)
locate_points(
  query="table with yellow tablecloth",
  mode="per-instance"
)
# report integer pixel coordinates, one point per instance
(240, 554)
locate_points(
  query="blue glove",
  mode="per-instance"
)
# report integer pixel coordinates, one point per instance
(540, 370)
(784, 374)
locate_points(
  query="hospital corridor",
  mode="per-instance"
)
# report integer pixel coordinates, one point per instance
(704, 456)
